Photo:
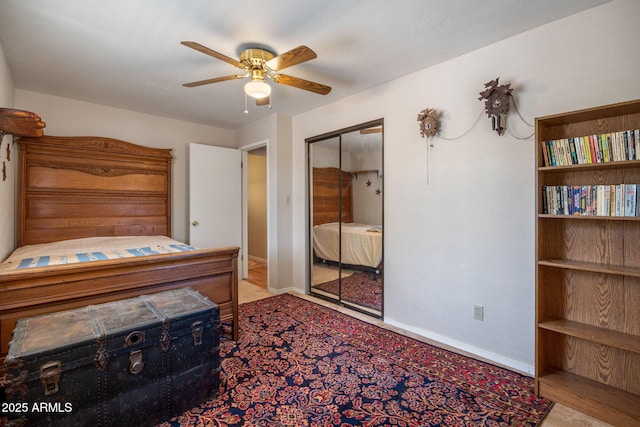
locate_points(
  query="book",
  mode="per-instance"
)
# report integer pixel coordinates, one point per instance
(614, 149)
(572, 150)
(593, 149)
(612, 200)
(576, 200)
(599, 205)
(628, 136)
(602, 139)
(546, 161)
(591, 200)
(588, 149)
(630, 199)
(619, 200)
(581, 158)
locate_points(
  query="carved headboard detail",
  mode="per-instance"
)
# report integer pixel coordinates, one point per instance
(74, 187)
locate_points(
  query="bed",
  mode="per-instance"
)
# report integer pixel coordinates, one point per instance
(88, 189)
(361, 243)
(332, 205)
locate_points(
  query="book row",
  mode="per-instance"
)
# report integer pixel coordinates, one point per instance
(603, 148)
(591, 200)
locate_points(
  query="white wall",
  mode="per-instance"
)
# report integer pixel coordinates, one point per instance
(276, 132)
(7, 188)
(459, 216)
(68, 117)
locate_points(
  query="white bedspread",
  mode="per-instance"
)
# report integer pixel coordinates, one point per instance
(361, 243)
(90, 249)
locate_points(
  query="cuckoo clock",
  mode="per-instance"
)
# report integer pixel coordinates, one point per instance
(496, 103)
(428, 122)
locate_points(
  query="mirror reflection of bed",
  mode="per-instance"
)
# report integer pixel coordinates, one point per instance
(346, 233)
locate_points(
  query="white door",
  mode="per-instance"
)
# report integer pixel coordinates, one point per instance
(215, 197)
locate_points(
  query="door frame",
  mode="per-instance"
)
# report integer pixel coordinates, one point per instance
(245, 208)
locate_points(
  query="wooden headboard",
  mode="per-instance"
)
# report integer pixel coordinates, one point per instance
(329, 184)
(74, 187)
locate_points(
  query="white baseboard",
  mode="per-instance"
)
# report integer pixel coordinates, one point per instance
(480, 353)
(280, 291)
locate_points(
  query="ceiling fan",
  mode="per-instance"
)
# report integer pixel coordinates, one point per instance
(260, 63)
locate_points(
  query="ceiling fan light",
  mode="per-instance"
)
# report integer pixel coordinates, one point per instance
(257, 89)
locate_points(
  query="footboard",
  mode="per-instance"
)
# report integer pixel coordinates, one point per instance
(36, 291)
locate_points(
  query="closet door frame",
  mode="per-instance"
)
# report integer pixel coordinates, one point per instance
(309, 142)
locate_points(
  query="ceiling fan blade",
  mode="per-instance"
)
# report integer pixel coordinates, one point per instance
(294, 56)
(216, 80)
(263, 101)
(302, 84)
(211, 52)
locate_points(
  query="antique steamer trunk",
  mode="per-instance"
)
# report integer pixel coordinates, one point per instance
(133, 362)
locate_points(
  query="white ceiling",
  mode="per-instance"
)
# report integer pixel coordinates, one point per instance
(127, 53)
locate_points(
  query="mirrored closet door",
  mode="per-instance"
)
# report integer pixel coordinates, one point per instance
(346, 216)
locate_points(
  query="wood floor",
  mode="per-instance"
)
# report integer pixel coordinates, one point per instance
(258, 276)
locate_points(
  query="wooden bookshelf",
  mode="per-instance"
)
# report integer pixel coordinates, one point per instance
(588, 278)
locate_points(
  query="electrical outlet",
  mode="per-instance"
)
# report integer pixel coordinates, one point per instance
(478, 312)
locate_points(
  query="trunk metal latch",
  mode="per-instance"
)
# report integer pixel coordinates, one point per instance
(196, 332)
(135, 362)
(135, 357)
(50, 377)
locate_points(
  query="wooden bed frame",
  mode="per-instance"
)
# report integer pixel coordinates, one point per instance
(75, 187)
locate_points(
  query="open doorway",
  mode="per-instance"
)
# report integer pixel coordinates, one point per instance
(256, 216)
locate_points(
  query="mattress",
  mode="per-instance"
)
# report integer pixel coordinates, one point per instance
(90, 249)
(361, 243)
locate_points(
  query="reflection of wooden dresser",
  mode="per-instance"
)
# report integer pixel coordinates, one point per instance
(329, 185)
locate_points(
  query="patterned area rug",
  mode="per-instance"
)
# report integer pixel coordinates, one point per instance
(299, 364)
(360, 288)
